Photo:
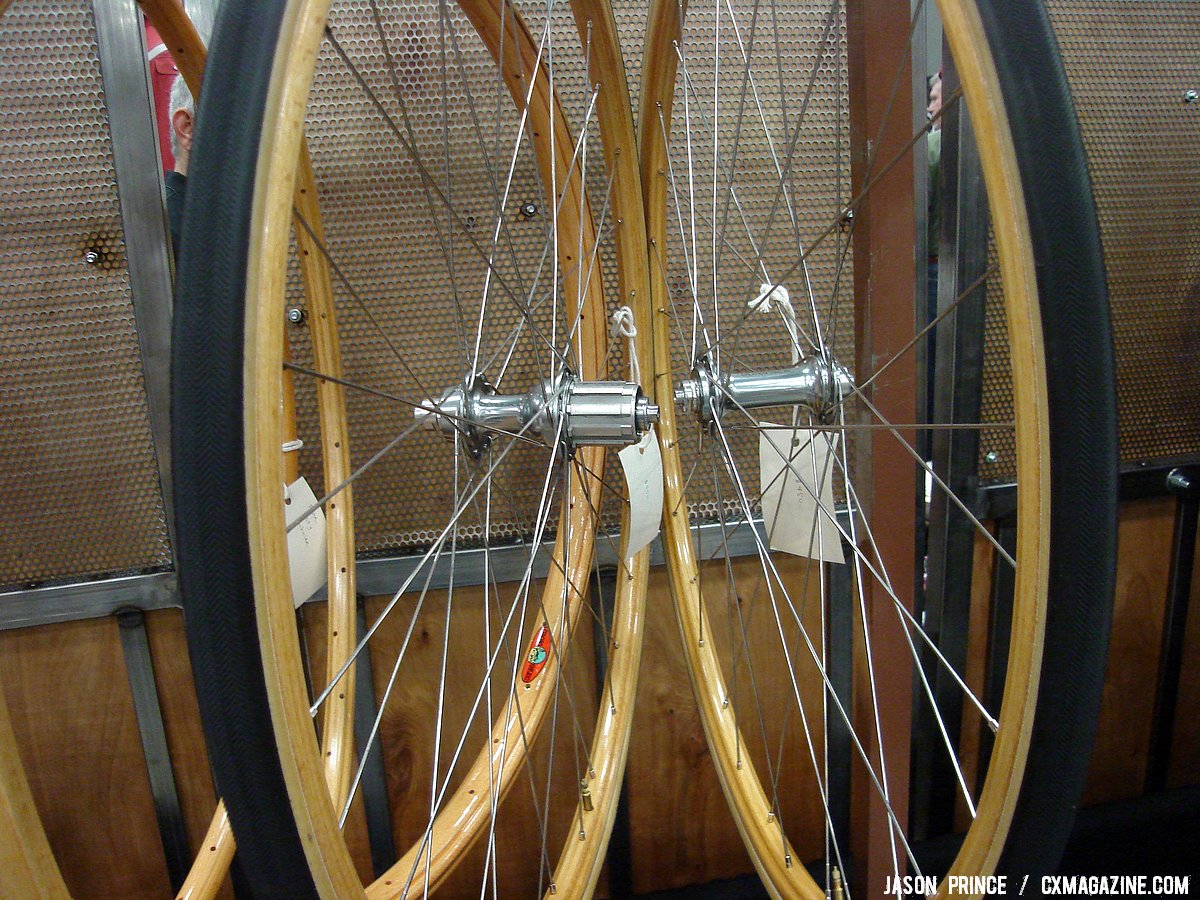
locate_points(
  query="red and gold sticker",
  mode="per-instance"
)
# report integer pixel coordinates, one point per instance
(539, 652)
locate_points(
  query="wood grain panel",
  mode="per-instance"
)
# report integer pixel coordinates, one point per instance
(77, 733)
(412, 715)
(181, 721)
(75, 726)
(1185, 751)
(1118, 767)
(682, 832)
(313, 617)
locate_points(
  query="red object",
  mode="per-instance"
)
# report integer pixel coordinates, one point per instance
(539, 652)
(162, 76)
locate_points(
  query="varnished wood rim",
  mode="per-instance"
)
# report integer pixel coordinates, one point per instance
(212, 863)
(981, 87)
(578, 868)
(463, 818)
(740, 782)
(27, 865)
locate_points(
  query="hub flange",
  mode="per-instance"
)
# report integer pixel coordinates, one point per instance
(564, 411)
(813, 384)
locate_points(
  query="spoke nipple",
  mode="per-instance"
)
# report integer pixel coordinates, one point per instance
(585, 796)
(771, 816)
(529, 210)
(1191, 95)
(553, 888)
(787, 860)
(991, 457)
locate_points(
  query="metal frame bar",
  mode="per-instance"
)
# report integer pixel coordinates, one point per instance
(127, 95)
(143, 688)
(999, 634)
(46, 604)
(958, 393)
(373, 787)
(1184, 483)
(25, 608)
(87, 600)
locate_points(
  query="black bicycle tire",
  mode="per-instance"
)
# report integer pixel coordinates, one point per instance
(1081, 395)
(212, 535)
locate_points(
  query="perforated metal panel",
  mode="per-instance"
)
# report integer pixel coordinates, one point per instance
(789, 116)
(997, 446)
(1129, 66)
(412, 135)
(77, 467)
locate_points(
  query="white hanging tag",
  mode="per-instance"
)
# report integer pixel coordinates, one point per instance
(642, 463)
(306, 542)
(796, 467)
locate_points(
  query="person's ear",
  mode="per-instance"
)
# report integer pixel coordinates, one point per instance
(181, 124)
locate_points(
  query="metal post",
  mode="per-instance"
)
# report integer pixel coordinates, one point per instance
(958, 393)
(122, 50)
(374, 781)
(144, 690)
(1184, 483)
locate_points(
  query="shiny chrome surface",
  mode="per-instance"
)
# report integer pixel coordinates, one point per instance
(563, 412)
(814, 384)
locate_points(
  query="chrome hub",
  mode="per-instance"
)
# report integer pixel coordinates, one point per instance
(813, 384)
(564, 411)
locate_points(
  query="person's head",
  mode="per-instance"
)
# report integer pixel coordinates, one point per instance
(935, 99)
(182, 115)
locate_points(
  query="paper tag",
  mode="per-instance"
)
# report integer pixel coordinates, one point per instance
(795, 467)
(642, 463)
(306, 542)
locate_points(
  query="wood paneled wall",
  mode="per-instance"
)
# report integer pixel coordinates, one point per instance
(1118, 768)
(77, 733)
(75, 726)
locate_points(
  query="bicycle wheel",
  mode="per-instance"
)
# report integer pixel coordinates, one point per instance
(420, 148)
(777, 155)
